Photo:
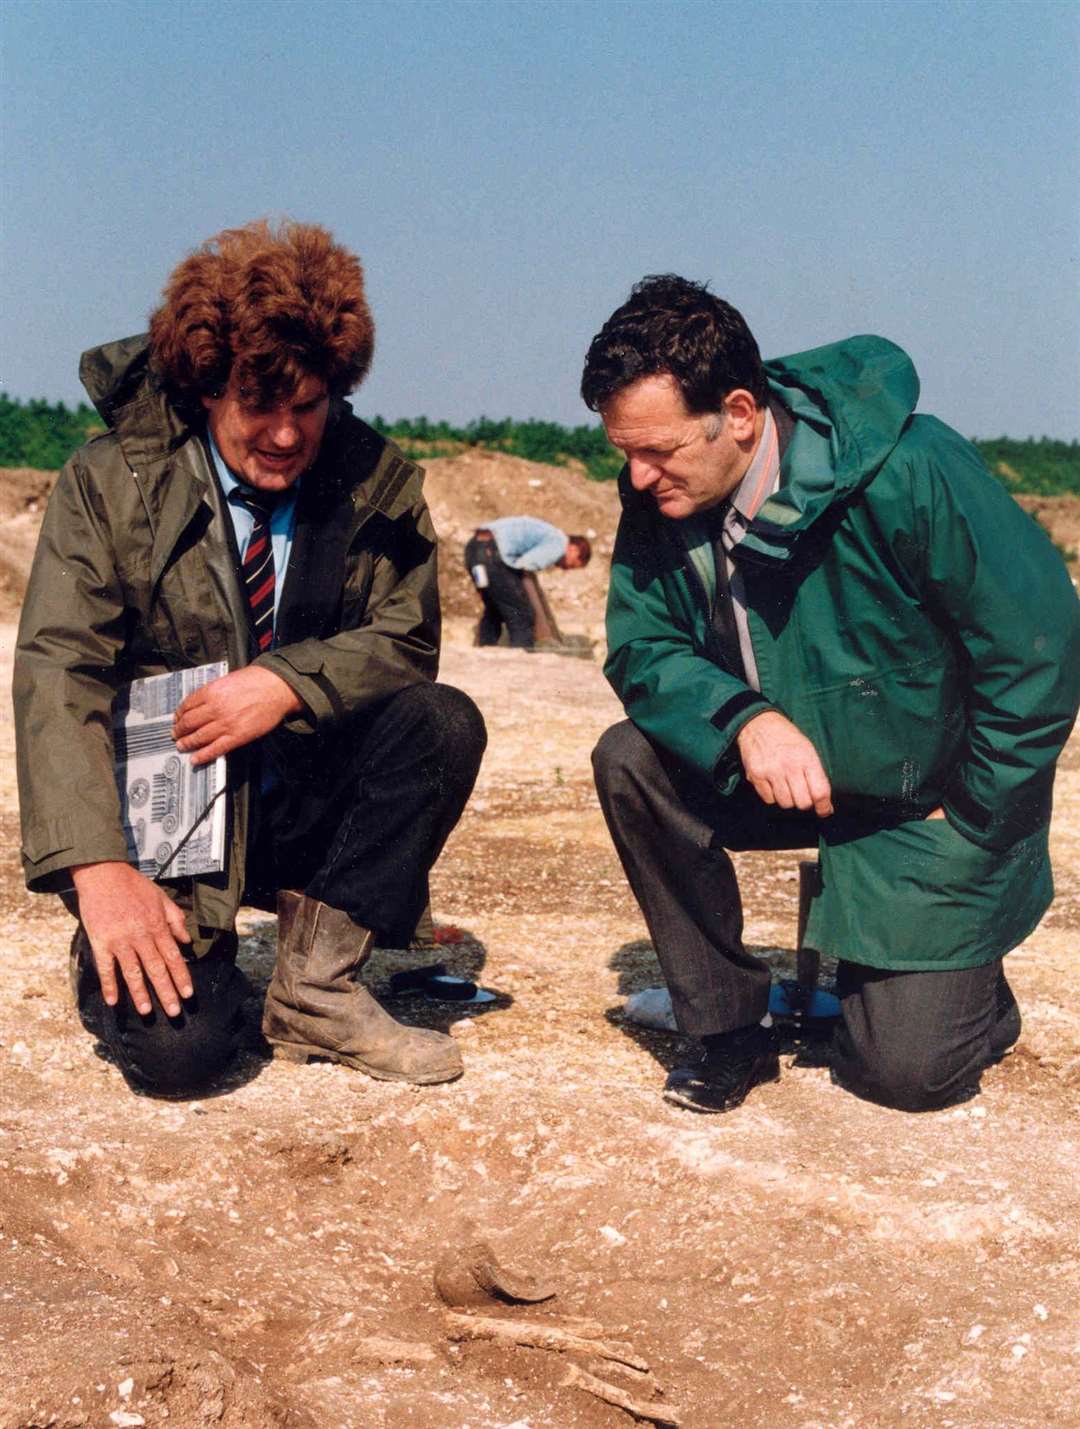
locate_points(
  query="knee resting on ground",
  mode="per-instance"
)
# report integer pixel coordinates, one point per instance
(173, 1056)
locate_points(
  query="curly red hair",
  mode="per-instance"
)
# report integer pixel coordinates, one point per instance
(264, 308)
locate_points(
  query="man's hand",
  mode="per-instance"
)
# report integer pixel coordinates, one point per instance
(782, 765)
(231, 712)
(131, 922)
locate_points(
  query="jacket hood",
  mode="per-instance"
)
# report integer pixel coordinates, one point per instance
(131, 399)
(113, 373)
(851, 401)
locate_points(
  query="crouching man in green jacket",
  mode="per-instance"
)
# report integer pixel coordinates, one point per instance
(828, 624)
(236, 510)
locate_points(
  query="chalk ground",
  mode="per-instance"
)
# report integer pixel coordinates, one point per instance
(808, 1260)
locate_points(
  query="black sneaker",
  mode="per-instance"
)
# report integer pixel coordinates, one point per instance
(731, 1064)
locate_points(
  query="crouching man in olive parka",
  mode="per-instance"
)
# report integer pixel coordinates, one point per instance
(237, 510)
(828, 625)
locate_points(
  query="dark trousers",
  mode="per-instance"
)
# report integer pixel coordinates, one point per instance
(503, 595)
(356, 822)
(909, 1039)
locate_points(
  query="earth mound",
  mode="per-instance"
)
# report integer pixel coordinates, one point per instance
(463, 492)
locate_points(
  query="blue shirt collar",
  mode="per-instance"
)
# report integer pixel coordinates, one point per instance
(229, 481)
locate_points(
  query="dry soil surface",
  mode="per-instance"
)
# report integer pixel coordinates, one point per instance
(263, 1255)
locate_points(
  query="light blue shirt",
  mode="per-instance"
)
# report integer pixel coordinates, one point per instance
(282, 522)
(528, 544)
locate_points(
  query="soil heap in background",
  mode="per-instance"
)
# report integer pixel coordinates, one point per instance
(463, 492)
(478, 486)
(23, 496)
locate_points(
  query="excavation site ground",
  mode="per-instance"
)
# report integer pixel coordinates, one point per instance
(265, 1255)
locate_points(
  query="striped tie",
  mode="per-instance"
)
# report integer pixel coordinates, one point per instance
(258, 566)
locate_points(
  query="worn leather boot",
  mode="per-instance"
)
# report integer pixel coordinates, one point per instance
(315, 1007)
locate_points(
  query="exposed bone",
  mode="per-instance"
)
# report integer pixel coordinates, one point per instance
(655, 1413)
(541, 1336)
(643, 1377)
(384, 1350)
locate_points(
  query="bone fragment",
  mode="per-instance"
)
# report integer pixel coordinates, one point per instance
(384, 1350)
(642, 1377)
(655, 1412)
(539, 1335)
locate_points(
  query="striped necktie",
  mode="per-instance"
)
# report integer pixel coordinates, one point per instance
(258, 563)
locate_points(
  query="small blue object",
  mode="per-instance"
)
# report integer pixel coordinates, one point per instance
(481, 995)
(450, 989)
(788, 1002)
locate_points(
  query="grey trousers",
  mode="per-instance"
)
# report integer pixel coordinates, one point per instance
(916, 1040)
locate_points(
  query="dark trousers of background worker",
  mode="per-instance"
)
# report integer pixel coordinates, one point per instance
(915, 1040)
(357, 824)
(502, 591)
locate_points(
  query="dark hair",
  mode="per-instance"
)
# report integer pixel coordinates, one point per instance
(584, 546)
(669, 324)
(268, 308)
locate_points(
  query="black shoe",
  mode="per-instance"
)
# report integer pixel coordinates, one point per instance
(730, 1065)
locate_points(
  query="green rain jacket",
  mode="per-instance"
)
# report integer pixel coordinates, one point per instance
(135, 575)
(913, 622)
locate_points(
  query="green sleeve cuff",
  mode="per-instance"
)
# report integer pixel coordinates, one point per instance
(730, 718)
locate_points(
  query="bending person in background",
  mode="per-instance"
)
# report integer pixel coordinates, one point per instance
(500, 556)
(238, 511)
(828, 625)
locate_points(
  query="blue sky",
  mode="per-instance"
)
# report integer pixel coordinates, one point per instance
(507, 170)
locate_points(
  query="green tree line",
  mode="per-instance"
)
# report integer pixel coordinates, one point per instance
(534, 440)
(44, 434)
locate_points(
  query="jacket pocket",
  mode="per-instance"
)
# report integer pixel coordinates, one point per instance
(920, 895)
(891, 735)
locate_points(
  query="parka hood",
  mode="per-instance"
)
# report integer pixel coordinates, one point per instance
(113, 373)
(851, 401)
(131, 399)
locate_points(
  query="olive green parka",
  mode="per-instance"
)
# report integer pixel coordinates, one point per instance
(913, 622)
(135, 574)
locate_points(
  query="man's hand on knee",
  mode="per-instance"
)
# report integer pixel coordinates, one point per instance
(231, 712)
(782, 765)
(132, 924)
